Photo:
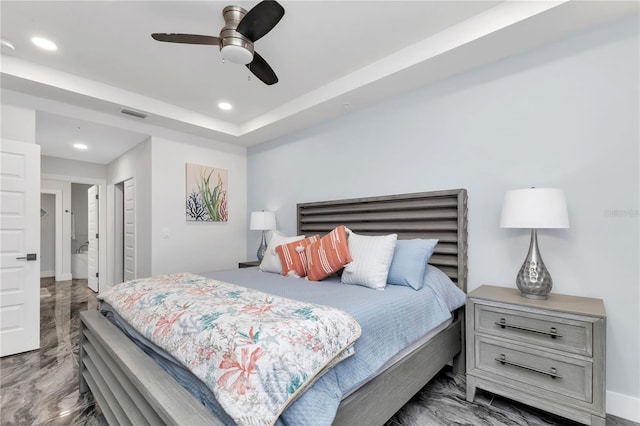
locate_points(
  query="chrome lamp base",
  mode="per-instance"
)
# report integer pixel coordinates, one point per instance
(534, 280)
(262, 249)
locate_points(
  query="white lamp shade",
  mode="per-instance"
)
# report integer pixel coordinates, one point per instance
(534, 208)
(262, 221)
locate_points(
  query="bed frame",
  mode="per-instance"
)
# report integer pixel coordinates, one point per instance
(130, 388)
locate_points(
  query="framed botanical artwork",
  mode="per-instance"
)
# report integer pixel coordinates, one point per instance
(206, 194)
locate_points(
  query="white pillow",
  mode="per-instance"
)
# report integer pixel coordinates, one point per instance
(372, 257)
(271, 260)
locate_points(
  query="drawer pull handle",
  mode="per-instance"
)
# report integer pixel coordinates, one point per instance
(553, 332)
(553, 373)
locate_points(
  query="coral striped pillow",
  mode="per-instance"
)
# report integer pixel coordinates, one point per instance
(271, 261)
(293, 258)
(328, 255)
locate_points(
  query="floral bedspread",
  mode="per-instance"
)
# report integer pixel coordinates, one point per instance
(256, 351)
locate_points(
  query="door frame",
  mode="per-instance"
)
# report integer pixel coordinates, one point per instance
(57, 193)
(102, 215)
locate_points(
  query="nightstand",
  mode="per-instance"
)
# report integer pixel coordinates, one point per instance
(249, 264)
(549, 354)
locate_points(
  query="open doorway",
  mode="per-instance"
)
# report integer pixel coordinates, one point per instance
(85, 234)
(79, 231)
(51, 236)
(72, 227)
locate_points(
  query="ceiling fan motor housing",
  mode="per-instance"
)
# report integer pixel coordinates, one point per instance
(234, 46)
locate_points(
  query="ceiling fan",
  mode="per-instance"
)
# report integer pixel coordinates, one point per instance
(236, 38)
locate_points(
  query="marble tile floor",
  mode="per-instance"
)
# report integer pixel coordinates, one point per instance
(443, 402)
(41, 387)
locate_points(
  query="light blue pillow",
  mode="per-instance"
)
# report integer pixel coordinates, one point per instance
(409, 262)
(448, 291)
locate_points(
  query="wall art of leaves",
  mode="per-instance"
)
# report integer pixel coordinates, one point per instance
(206, 195)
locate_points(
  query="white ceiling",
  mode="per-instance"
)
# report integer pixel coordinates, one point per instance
(57, 134)
(331, 57)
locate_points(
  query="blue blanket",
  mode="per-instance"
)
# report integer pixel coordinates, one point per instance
(391, 320)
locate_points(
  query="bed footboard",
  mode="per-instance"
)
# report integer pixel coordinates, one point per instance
(128, 387)
(131, 389)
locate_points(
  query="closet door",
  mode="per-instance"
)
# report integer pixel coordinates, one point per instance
(92, 256)
(129, 230)
(19, 247)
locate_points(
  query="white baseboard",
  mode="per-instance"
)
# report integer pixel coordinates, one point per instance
(64, 277)
(624, 406)
(47, 274)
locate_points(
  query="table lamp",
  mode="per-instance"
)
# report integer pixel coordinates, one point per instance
(535, 208)
(262, 221)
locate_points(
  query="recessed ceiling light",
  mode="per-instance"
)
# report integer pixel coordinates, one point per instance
(225, 106)
(80, 146)
(43, 43)
(7, 43)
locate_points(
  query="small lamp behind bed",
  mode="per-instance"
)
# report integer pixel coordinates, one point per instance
(262, 221)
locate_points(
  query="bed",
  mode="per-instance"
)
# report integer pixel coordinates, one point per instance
(129, 388)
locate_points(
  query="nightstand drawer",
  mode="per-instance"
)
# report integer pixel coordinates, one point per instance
(536, 370)
(563, 334)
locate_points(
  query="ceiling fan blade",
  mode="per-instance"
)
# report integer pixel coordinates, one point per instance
(260, 20)
(261, 69)
(186, 38)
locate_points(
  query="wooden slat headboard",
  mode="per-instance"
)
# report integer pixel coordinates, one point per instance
(436, 214)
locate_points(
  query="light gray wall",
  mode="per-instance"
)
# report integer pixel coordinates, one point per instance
(48, 236)
(165, 241)
(64, 167)
(565, 115)
(179, 245)
(136, 164)
(18, 124)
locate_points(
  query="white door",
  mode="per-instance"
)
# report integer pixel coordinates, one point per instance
(118, 237)
(129, 230)
(92, 256)
(19, 247)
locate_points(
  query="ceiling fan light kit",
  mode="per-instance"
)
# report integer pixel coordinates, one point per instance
(236, 38)
(235, 47)
(237, 54)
